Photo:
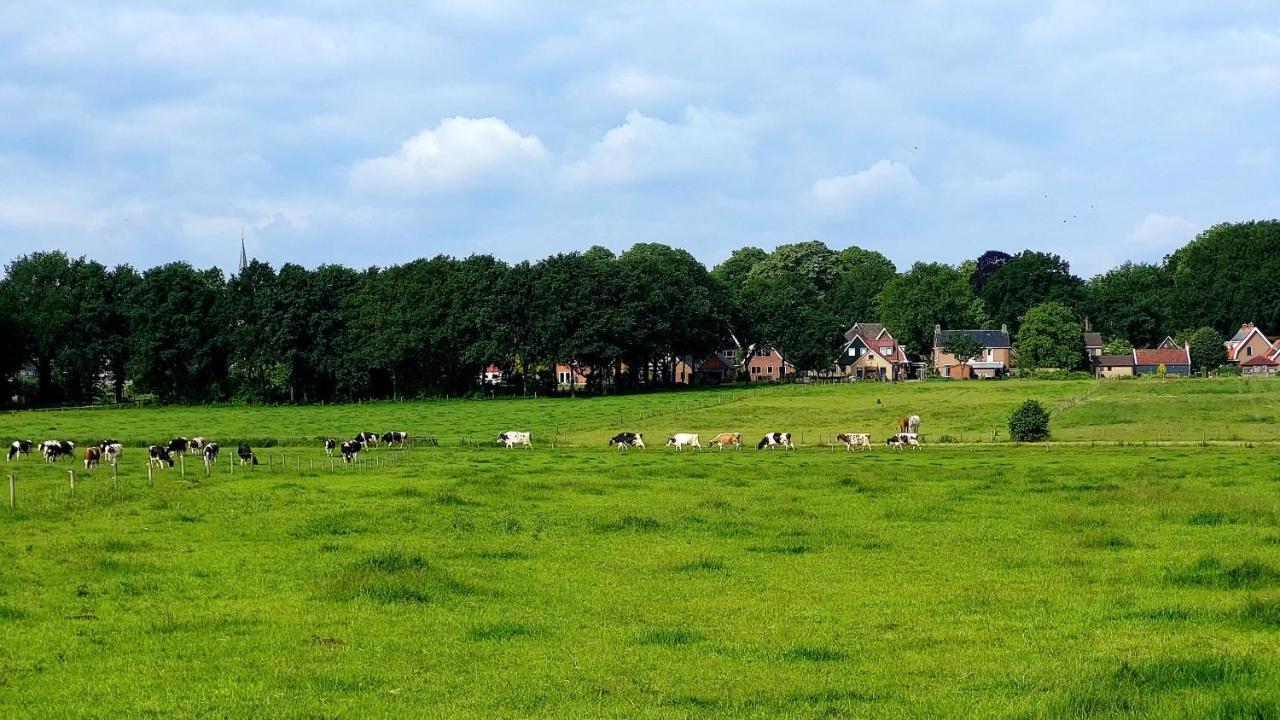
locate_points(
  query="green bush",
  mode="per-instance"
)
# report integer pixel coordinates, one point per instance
(1227, 371)
(1029, 422)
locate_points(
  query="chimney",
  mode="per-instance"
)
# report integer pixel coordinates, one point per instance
(1086, 324)
(1004, 328)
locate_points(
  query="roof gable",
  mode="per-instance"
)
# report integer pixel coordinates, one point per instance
(1245, 334)
(988, 339)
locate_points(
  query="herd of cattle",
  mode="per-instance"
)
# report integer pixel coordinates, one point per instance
(908, 435)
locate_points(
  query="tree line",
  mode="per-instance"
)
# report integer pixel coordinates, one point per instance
(77, 331)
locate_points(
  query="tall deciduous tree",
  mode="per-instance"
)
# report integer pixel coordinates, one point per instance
(1130, 302)
(1050, 337)
(1026, 280)
(1208, 348)
(860, 276)
(926, 295)
(1227, 275)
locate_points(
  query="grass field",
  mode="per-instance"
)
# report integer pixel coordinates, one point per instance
(976, 580)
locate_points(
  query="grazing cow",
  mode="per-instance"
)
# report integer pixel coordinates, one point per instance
(351, 450)
(158, 455)
(113, 452)
(329, 445)
(91, 457)
(852, 440)
(776, 439)
(210, 453)
(196, 445)
(512, 438)
(178, 445)
(103, 445)
(726, 438)
(398, 437)
(19, 447)
(51, 450)
(367, 438)
(913, 425)
(246, 455)
(680, 440)
(627, 440)
(901, 440)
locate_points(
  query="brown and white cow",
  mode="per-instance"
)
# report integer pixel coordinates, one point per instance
(91, 457)
(852, 440)
(726, 438)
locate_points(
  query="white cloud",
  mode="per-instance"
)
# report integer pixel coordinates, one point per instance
(1162, 232)
(884, 178)
(458, 154)
(646, 149)
(638, 87)
(1012, 183)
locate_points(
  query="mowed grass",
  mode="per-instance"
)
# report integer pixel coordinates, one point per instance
(957, 581)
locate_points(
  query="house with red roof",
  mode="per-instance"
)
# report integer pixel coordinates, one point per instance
(1147, 361)
(1248, 342)
(870, 352)
(1260, 365)
(767, 365)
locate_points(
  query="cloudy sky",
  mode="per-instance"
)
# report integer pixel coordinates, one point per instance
(372, 134)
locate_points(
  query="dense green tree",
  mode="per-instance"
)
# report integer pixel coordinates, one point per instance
(1050, 337)
(860, 277)
(1025, 280)
(1228, 275)
(1208, 347)
(1130, 302)
(180, 348)
(962, 346)
(1117, 346)
(794, 319)
(926, 295)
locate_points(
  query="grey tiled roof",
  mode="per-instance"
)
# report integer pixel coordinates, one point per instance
(985, 338)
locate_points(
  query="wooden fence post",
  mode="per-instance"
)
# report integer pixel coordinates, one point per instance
(150, 480)
(231, 465)
(13, 491)
(72, 474)
(182, 464)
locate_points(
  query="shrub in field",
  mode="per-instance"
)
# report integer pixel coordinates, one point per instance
(1029, 422)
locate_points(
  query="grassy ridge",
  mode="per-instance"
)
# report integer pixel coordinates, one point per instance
(1127, 411)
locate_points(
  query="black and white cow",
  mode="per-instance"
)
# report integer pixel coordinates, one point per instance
(627, 440)
(113, 451)
(351, 450)
(51, 450)
(776, 439)
(367, 439)
(196, 445)
(512, 438)
(19, 448)
(179, 445)
(158, 456)
(902, 440)
(246, 454)
(210, 452)
(329, 445)
(398, 437)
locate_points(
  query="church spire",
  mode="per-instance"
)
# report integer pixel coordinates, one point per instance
(244, 259)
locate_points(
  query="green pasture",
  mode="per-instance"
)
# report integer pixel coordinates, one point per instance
(976, 580)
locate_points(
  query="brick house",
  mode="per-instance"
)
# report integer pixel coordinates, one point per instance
(721, 366)
(1092, 343)
(1175, 361)
(870, 352)
(1248, 342)
(994, 361)
(768, 365)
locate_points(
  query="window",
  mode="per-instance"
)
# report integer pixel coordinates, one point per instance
(770, 370)
(1248, 350)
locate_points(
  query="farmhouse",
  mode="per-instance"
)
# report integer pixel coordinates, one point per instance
(722, 365)
(1248, 342)
(1175, 361)
(1111, 366)
(997, 354)
(871, 353)
(767, 365)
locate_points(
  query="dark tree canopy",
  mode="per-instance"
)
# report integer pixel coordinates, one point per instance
(926, 295)
(1129, 302)
(1228, 275)
(986, 266)
(1024, 281)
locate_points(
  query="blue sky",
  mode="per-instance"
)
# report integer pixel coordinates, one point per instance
(371, 134)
